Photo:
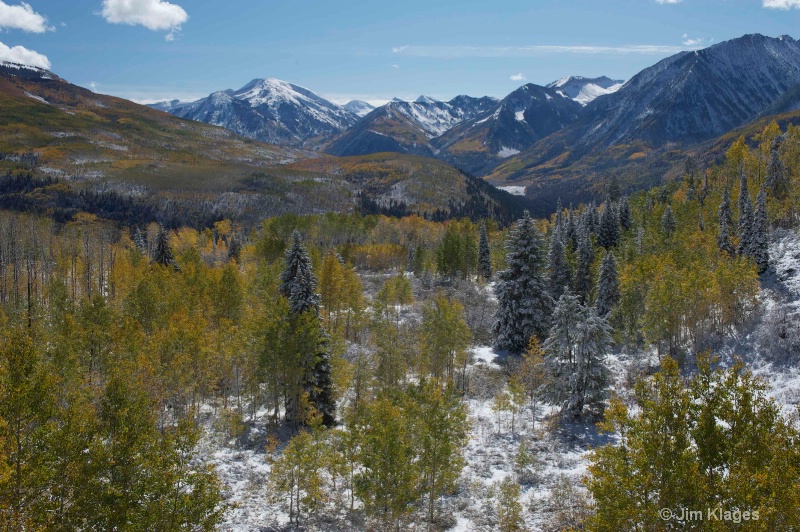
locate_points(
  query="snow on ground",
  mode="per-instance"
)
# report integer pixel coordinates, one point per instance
(514, 189)
(506, 152)
(561, 450)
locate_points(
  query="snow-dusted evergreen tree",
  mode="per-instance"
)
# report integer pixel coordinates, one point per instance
(297, 271)
(760, 244)
(583, 273)
(524, 305)
(484, 254)
(725, 223)
(625, 215)
(575, 353)
(163, 253)
(746, 227)
(140, 241)
(560, 271)
(298, 284)
(608, 232)
(777, 177)
(668, 222)
(608, 294)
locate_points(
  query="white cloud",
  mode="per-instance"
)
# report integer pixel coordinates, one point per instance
(517, 77)
(693, 43)
(23, 56)
(395, 66)
(93, 86)
(155, 15)
(782, 4)
(668, 1)
(22, 17)
(450, 52)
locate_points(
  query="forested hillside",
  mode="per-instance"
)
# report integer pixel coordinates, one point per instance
(334, 371)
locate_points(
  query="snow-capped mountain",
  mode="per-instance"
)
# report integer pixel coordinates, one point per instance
(520, 119)
(408, 127)
(584, 90)
(270, 110)
(695, 96)
(359, 107)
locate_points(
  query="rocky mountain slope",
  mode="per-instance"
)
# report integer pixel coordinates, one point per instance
(269, 110)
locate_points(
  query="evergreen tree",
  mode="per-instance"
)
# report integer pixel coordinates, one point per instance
(524, 304)
(299, 284)
(571, 234)
(725, 223)
(163, 252)
(583, 274)
(625, 216)
(668, 222)
(608, 294)
(297, 271)
(760, 247)
(608, 232)
(484, 254)
(575, 351)
(777, 176)
(746, 227)
(140, 241)
(560, 271)
(700, 223)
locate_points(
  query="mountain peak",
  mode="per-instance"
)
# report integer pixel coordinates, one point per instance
(359, 107)
(583, 90)
(425, 99)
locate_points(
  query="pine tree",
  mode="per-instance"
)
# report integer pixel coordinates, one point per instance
(625, 216)
(725, 223)
(523, 302)
(560, 271)
(777, 176)
(484, 254)
(746, 227)
(163, 252)
(575, 351)
(760, 244)
(608, 232)
(608, 294)
(583, 274)
(668, 222)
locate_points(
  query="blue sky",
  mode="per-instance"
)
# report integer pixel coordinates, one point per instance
(147, 50)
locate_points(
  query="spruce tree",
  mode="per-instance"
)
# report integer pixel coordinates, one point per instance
(583, 273)
(524, 304)
(575, 352)
(560, 271)
(668, 222)
(760, 244)
(608, 232)
(298, 284)
(484, 254)
(746, 236)
(625, 215)
(608, 294)
(163, 252)
(725, 223)
(777, 177)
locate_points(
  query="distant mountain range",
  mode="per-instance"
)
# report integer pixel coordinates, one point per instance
(269, 110)
(566, 139)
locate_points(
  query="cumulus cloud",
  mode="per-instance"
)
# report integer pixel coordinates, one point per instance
(517, 77)
(22, 17)
(693, 43)
(781, 4)
(23, 56)
(155, 15)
